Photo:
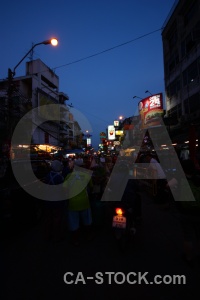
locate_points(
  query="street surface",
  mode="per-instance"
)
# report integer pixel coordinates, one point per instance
(34, 268)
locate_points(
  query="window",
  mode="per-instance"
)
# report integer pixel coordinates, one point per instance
(175, 112)
(183, 49)
(191, 73)
(174, 61)
(191, 13)
(196, 32)
(198, 66)
(187, 44)
(174, 87)
(194, 102)
(173, 40)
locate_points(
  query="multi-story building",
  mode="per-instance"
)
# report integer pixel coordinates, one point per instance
(35, 91)
(181, 53)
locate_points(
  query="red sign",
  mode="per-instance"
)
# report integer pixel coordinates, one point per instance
(103, 135)
(151, 110)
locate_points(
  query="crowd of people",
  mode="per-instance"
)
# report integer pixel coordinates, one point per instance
(84, 180)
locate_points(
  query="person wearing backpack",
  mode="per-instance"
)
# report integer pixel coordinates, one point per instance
(189, 208)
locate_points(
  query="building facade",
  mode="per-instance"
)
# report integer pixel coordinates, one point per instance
(181, 54)
(35, 96)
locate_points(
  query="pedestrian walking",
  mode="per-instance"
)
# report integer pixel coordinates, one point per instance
(78, 186)
(54, 211)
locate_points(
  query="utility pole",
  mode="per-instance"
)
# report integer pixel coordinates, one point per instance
(9, 108)
(10, 121)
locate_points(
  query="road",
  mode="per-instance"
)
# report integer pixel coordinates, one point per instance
(34, 268)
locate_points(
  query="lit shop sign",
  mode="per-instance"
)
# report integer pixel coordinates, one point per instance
(89, 142)
(102, 135)
(151, 110)
(119, 132)
(111, 132)
(116, 123)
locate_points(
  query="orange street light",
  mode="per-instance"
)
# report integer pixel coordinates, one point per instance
(52, 41)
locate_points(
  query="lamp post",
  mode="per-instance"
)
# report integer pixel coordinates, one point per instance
(137, 97)
(148, 92)
(121, 118)
(52, 41)
(11, 74)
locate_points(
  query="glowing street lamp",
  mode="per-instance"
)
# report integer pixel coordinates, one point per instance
(11, 74)
(52, 41)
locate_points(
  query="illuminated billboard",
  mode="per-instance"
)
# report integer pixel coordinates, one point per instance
(119, 132)
(89, 142)
(111, 132)
(116, 123)
(151, 110)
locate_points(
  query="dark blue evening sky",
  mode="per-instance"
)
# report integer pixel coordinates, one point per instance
(100, 87)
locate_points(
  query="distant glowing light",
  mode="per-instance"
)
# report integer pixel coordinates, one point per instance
(54, 42)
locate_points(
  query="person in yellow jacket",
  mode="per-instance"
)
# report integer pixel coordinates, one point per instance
(78, 185)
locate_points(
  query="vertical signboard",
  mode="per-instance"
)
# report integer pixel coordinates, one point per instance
(89, 142)
(116, 123)
(111, 132)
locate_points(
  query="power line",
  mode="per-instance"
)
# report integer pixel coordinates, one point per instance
(94, 116)
(106, 50)
(109, 49)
